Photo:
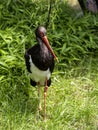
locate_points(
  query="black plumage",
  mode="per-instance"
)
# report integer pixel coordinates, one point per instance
(41, 57)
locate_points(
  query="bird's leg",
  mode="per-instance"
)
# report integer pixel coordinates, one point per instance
(39, 100)
(45, 94)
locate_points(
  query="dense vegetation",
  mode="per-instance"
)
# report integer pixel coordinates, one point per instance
(73, 97)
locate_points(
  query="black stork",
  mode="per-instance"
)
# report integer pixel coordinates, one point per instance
(40, 63)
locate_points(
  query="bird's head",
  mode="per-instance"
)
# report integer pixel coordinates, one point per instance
(41, 34)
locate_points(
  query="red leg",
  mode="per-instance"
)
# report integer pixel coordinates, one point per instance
(39, 100)
(45, 94)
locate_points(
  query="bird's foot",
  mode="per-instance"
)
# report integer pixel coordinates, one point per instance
(39, 108)
(39, 114)
(45, 118)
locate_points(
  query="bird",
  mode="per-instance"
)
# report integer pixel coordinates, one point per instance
(40, 62)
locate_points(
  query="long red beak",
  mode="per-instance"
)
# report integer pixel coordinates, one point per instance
(45, 40)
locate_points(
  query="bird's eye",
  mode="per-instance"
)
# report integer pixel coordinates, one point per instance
(41, 34)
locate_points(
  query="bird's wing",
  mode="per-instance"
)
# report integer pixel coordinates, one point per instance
(27, 58)
(52, 63)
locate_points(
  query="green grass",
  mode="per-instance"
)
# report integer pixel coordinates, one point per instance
(71, 105)
(72, 99)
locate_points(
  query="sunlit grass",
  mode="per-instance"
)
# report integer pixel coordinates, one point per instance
(71, 104)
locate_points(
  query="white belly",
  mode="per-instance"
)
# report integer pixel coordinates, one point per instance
(38, 75)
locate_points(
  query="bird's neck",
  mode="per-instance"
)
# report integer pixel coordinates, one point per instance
(42, 45)
(43, 48)
(40, 42)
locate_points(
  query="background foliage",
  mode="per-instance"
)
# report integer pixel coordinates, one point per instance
(75, 41)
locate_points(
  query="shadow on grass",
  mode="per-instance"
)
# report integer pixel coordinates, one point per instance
(15, 99)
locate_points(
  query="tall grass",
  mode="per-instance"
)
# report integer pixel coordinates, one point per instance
(73, 96)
